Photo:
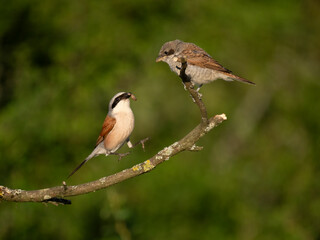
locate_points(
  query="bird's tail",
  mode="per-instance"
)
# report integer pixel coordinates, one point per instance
(92, 155)
(240, 79)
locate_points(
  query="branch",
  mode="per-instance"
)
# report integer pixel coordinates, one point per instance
(196, 96)
(56, 195)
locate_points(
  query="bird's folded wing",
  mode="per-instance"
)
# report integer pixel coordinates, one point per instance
(108, 125)
(198, 57)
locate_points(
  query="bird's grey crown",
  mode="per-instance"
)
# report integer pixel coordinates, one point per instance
(170, 48)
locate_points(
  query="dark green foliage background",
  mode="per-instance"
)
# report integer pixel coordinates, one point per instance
(258, 175)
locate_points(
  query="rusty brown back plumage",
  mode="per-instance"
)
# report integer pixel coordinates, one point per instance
(198, 57)
(107, 126)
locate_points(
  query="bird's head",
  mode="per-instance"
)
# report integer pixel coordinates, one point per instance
(168, 50)
(121, 101)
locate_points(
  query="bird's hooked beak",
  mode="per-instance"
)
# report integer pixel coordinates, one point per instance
(133, 97)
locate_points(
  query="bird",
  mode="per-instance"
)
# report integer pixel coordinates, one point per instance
(201, 67)
(116, 129)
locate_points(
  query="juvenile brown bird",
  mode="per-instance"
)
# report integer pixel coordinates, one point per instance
(116, 129)
(201, 68)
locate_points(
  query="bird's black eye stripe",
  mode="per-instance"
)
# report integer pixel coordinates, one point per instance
(119, 98)
(171, 51)
(115, 102)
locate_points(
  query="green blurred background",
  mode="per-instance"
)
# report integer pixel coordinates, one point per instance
(258, 175)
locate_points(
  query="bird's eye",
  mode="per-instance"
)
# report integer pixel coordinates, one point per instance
(166, 52)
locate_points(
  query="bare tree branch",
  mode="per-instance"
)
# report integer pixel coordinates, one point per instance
(57, 194)
(196, 96)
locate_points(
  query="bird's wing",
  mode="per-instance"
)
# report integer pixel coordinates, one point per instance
(107, 126)
(198, 57)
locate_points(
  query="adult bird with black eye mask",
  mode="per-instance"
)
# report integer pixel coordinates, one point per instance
(116, 129)
(119, 98)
